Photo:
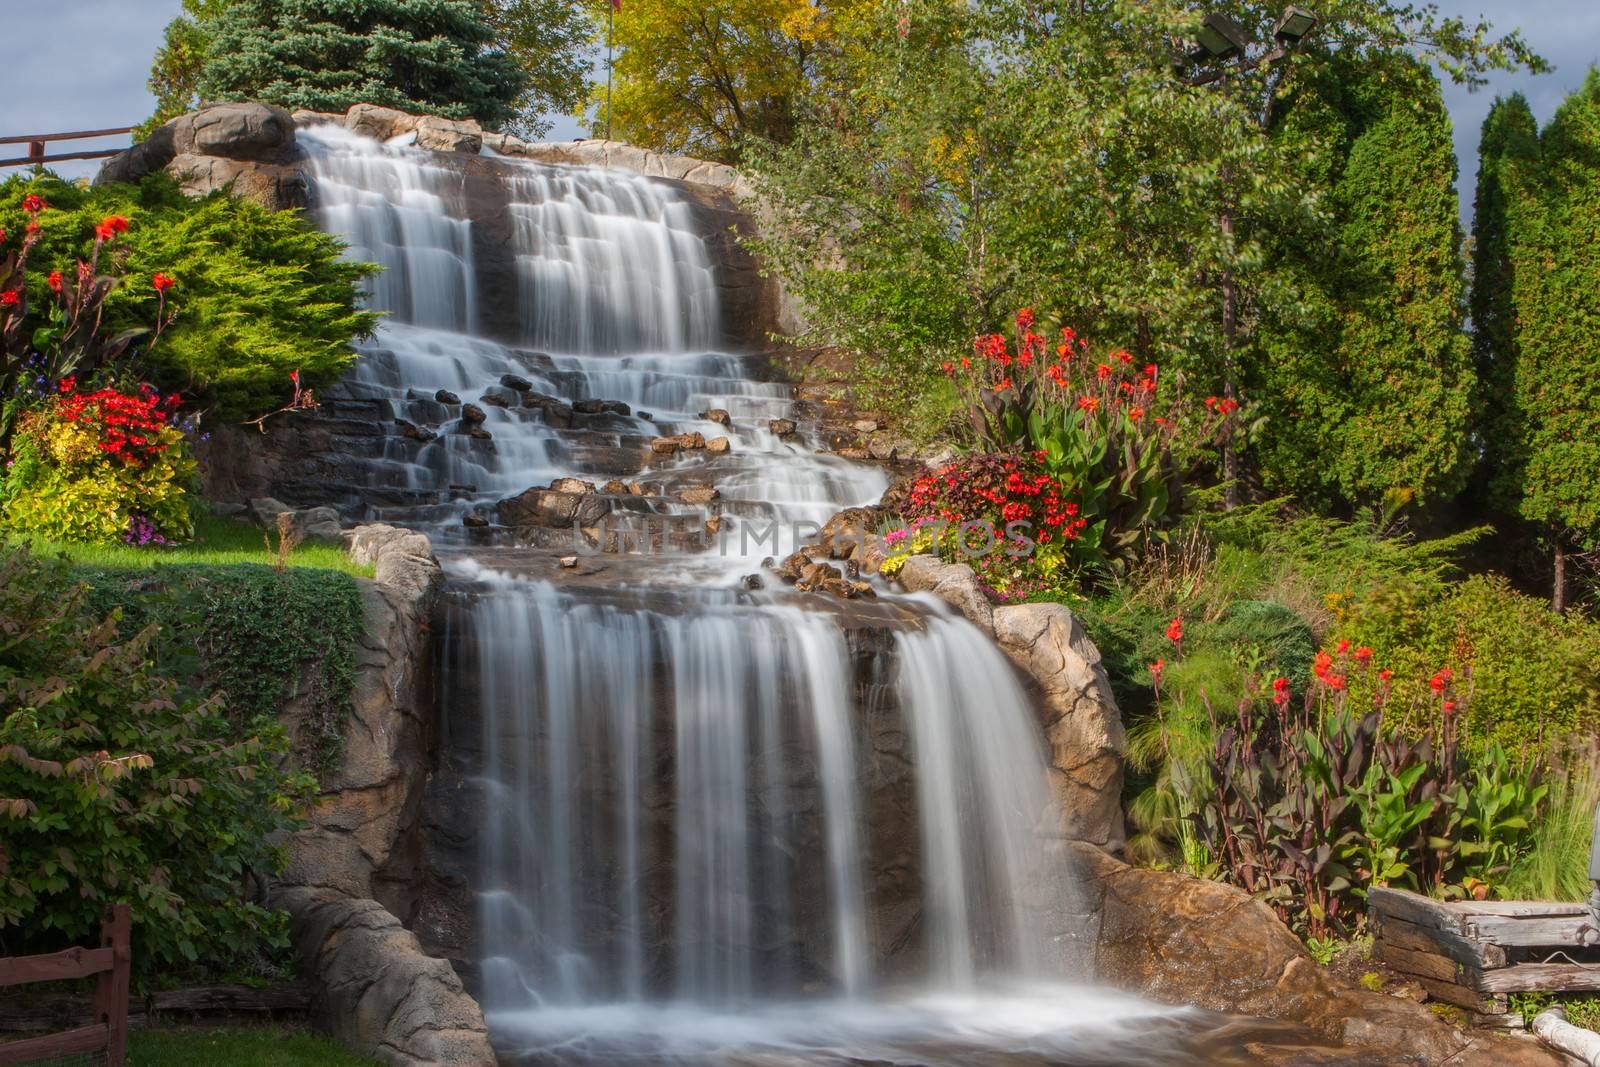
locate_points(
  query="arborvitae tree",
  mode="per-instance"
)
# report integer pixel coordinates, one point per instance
(1369, 396)
(433, 56)
(1555, 392)
(1508, 155)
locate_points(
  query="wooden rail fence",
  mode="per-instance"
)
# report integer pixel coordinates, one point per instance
(109, 964)
(36, 144)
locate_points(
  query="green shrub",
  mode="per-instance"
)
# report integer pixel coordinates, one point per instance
(1557, 867)
(1534, 675)
(99, 468)
(260, 638)
(258, 293)
(117, 785)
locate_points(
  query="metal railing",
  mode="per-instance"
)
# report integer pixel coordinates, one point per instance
(36, 146)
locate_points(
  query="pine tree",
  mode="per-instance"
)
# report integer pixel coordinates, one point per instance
(431, 56)
(1555, 393)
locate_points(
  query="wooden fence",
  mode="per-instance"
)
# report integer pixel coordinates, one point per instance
(36, 144)
(109, 965)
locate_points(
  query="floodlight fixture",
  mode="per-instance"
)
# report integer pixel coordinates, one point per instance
(1220, 37)
(1295, 25)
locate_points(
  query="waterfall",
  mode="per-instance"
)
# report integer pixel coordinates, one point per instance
(702, 823)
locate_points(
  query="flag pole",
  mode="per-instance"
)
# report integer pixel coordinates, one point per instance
(611, 22)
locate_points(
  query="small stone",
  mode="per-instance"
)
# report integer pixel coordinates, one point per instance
(864, 589)
(664, 446)
(865, 425)
(473, 414)
(615, 487)
(478, 433)
(462, 490)
(718, 446)
(589, 406)
(616, 407)
(572, 485)
(499, 398)
(516, 383)
(714, 525)
(635, 489)
(699, 494)
(782, 427)
(646, 416)
(415, 432)
(691, 440)
(445, 396)
(474, 521)
(718, 416)
(752, 581)
(859, 454)
(568, 562)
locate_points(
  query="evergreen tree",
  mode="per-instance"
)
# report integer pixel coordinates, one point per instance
(1508, 154)
(433, 56)
(1555, 261)
(1370, 396)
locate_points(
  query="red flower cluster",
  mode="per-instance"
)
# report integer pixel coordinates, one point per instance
(995, 491)
(1175, 631)
(128, 425)
(109, 227)
(10, 298)
(33, 205)
(162, 282)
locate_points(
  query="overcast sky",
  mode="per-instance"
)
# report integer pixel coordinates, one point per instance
(82, 64)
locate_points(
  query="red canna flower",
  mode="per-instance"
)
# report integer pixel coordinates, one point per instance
(115, 223)
(1449, 707)
(1385, 674)
(1344, 646)
(33, 204)
(1025, 319)
(1322, 665)
(1364, 655)
(1175, 630)
(1438, 682)
(54, 281)
(1211, 402)
(1156, 668)
(1280, 691)
(1102, 372)
(33, 230)
(1089, 403)
(10, 299)
(162, 282)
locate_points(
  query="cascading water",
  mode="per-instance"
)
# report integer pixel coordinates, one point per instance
(704, 824)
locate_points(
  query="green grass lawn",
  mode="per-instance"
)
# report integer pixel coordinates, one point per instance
(252, 1046)
(216, 540)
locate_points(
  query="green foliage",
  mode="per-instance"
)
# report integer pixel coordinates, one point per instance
(216, 541)
(1551, 410)
(71, 480)
(1557, 868)
(119, 786)
(1369, 394)
(423, 56)
(263, 639)
(258, 293)
(1534, 675)
(175, 71)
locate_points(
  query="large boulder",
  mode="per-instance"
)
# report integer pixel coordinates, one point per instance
(377, 122)
(1185, 940)
(248, 148)
(449, 135)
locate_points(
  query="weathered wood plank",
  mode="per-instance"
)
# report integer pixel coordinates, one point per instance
(1413, 908)
(33, 1049)
(76, 962)
(1557, 931)
(1462, 997)
(1416, 938)
(230, 1000)
(1420, 964)
(1541, 978)
(1519, 909)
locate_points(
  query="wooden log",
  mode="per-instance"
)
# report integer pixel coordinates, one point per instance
(53, 1046)
(1519, 909)
(76, 962)
(1418, 964)
(1541, 978)
(1511, 1020)
(1413, 908)
(1557, 931)
(1416, 938)
(230, 1000)
(1462, 997)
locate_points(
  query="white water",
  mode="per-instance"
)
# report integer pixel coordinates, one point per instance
(683, 788)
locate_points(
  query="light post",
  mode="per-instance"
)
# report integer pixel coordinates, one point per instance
(1220, 40)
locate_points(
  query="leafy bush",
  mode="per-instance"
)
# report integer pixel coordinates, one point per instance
(101, 467)
(1005, 516)
(260, 638)
(1309, 807)
(1535, 675)
(115, 785)
(1116, 435)
(260, 293)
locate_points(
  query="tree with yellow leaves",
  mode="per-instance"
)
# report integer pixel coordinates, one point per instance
(702, 77)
